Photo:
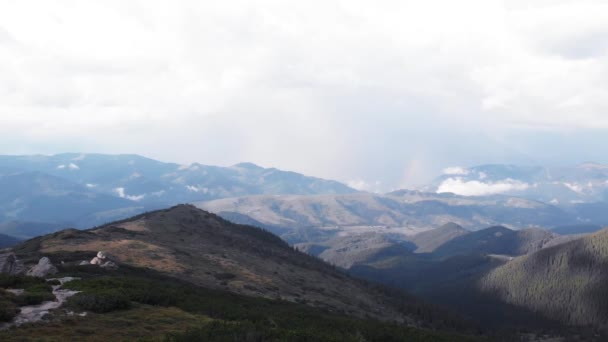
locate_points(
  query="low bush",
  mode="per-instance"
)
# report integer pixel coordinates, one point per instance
(100, 301)
(8, 310)
(19, 281)
(34, 298)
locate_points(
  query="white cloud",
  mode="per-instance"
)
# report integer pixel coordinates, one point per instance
(195, 188)
(352, 79)
(362, 185)
(121, 193)
(574, 187)
(455, 170)
(459, 186)
(70, 166)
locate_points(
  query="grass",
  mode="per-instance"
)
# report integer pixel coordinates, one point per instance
(142, 322)
(161, 308)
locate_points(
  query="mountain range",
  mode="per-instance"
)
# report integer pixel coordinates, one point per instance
(499, 280)
(448, 248)
(84, 190)
(305, 219)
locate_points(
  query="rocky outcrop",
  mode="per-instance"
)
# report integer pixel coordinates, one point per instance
(103, 260)
(100, 258)
(44, 268)
(9, 264)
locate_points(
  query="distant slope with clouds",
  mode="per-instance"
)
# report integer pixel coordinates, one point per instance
(566, 186)
(82, 190)
(146, 180)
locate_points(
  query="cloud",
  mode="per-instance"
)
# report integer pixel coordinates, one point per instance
(366, 186)
(70, 166)
(459, 186)
(121, 193)
(372, 86)
(455, 170)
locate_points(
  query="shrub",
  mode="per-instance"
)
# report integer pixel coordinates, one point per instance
(34, 298)
(53, 282)
(8, 310)
(40, 287)
(18, 281)
(100, 301)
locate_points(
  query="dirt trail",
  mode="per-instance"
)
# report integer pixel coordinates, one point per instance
(35, 313)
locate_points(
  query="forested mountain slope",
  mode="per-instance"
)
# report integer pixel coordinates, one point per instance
(568, 282)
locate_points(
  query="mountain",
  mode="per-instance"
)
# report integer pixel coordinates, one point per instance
(27, 230)
(429, 241)
(305, 219)
(7, 241)
(563, 186)
(184, 267)
(566, 282)
(146, 180)
(346, 251)
(496, 240)
(193, 245)
(576, 229)
(84, 190)
(39, 197)
(450, 274)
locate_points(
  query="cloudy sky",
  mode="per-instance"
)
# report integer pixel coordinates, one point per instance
(380, 94)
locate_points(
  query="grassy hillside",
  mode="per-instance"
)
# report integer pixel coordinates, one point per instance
(187, 275)
(154, 307)
(199, 247)
(203, 249)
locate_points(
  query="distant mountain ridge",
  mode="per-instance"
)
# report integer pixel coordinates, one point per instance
(83, 190)
(305, 219)
(7, 241)
(146, 180)
(429, 241)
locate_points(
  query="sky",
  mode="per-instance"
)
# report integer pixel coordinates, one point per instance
(380, 95)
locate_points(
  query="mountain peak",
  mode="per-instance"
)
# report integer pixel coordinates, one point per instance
(451, 226)
(199, 247)
(248, 166)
